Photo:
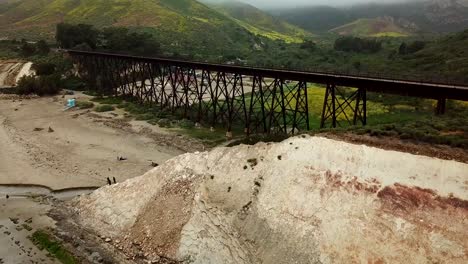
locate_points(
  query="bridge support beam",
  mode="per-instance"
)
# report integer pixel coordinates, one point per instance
(277, 106)
(344, 105)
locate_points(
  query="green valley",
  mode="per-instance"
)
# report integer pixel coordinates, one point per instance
(235, 32)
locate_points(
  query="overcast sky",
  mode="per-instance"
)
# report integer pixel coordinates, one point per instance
(293, 3)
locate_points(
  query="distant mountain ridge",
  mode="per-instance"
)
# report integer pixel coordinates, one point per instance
(436, 16)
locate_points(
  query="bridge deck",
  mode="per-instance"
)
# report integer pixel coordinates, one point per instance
(373, 84)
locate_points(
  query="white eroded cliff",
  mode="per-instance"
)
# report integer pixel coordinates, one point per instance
(305, 200)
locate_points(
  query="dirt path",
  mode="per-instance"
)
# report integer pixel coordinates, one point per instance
(24, 71)
(8, 72)
(79, 150)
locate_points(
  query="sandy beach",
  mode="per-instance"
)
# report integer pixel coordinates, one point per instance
(79, 149)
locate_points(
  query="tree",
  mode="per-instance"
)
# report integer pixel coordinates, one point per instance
(121, 40)
(411, 48)
(42, 48)
(83, 47)
(44, 68)
(403, 49)
(354, 44)
(41, 85)
(357, 65)
(416, 46)
(27, 49)
(308, 45)
(69, 36)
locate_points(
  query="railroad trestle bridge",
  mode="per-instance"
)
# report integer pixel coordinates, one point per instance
(259, 100)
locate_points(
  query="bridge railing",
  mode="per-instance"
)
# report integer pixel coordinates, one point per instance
(433, 78)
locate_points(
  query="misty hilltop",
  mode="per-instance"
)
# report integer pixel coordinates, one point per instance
(425, 16)
(258, 21)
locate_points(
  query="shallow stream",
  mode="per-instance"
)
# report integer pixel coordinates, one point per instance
(34, 190)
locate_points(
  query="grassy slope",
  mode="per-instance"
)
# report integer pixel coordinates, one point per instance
(449, 54)
(259, 22)
(375, 27)
(443, 58)
(174, 21)
(323, 19)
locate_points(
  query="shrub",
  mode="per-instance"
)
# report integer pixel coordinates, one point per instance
(42, 48)
(104, 108)
(186, 124)
(357, 65)
(109, 100)
(84, 105)
(44, 68)
(164, 122)
(147, 116)
(48, 85)
(74, 83)
(26, 85)
(162, 114)
(42, 85)
(416, 46)
(308, 45)
(411, 48)
(27, 49)
(357, 44)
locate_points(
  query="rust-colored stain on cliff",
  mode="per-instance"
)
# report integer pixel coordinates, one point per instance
(408, 198)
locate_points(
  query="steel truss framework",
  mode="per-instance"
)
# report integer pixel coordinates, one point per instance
(257, 100)
(217, 98)
(338, 101)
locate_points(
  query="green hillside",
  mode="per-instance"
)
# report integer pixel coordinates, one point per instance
(180, 24)
(447, 56)
(371, 27)
(423, 16)
(259, 22)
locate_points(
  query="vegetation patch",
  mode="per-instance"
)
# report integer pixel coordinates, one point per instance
(104, 108)
(74, 83)
(208, 137)
(145, 117)
(254, 139)
(84, 105)
(376, 27)
(41, 85)
(109, 100)
(44, 241)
